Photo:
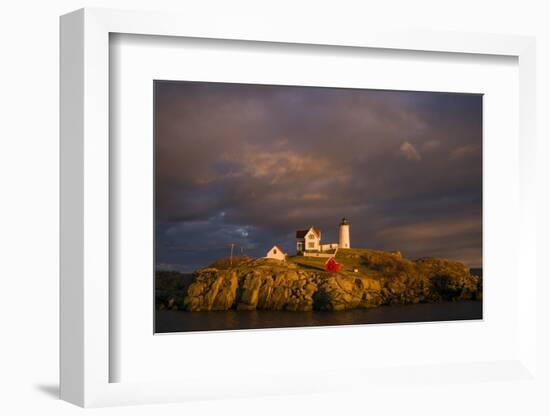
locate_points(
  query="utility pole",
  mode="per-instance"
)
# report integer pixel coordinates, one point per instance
(231, 258)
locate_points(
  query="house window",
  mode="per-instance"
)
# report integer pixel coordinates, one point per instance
(274, 251)
(311, 237)
(310, 245)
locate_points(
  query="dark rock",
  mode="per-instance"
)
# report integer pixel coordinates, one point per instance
(381, 278)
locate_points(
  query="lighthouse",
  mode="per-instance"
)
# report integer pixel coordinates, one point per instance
(343, 234)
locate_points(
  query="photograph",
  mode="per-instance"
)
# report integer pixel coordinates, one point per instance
(281, 206)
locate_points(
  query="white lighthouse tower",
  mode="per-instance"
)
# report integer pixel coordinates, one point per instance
(343, 234)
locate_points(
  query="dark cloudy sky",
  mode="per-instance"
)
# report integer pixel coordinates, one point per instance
(250, 164)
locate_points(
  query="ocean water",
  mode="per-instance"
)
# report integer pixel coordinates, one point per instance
(182, 321)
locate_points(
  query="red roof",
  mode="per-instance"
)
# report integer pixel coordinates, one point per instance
(302, 233)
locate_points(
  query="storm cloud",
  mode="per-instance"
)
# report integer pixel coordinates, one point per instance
(250, 164)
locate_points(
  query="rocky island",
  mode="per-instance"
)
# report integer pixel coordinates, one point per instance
(366, 279)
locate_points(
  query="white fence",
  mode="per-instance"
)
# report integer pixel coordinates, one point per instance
(320, 254)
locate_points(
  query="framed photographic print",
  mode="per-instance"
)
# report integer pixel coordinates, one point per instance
(272, 212)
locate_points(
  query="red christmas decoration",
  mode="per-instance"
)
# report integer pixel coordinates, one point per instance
(331, 266)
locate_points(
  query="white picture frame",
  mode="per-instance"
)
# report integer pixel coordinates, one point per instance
(85, 219)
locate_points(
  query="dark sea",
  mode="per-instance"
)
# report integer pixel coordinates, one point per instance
(182, 321)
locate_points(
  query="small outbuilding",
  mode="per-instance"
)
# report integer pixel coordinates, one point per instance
(276, 253)
(332, 266)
